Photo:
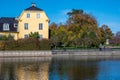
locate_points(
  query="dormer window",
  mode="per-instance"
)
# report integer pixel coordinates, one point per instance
(28, 15)
(6, 27)
(15, 25)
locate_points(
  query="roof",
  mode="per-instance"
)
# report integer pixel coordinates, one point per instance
(10, 21)
(33, 8)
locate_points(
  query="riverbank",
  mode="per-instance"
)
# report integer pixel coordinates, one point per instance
(25, 53)
(51, 53)
(92, 52)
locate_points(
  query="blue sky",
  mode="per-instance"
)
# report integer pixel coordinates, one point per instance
(105, 11)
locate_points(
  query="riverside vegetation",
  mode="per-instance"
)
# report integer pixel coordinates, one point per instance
(31, 43)
(81, 30)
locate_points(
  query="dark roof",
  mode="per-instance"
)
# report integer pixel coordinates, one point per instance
(7, 20)
(10, 21)
(33, 8)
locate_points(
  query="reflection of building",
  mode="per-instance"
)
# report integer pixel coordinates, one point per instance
(32, 19)
(43, 69)
(33, 72)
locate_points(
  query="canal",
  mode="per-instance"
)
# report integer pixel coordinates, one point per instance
(60, 68)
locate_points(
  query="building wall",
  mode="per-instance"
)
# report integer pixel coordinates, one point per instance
(33, 23)
(15, 34)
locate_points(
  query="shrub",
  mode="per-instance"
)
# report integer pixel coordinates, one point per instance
(27, 44)
(44, 44)
(1, 45)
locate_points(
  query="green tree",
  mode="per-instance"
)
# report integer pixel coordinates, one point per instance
(34, 35)
(58, 34)
(53, 34)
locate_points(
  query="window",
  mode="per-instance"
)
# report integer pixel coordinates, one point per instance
(38, 15)
(26, 26)
(40, 36)
(40, 26)
(26, 36)
(15, 25)
(28, 15)
(6, 27)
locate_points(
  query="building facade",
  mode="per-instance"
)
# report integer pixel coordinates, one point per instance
(32, 19)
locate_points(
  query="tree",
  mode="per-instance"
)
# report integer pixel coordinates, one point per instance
(83, 27)
(58, 34)
(53, 34)
(106, 33)
(80, 30)
(34, 35)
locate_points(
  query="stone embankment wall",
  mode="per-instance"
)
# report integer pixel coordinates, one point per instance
(59, 53)
(87, 52)
(25, 53)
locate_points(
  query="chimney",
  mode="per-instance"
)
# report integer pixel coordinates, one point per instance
(33, 5)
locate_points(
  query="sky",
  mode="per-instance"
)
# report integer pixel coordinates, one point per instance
(105, 11)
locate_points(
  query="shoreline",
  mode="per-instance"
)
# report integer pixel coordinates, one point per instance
(53, 53)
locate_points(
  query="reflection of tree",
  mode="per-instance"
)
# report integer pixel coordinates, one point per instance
(73, 69)
(25, 70)
(84, 70)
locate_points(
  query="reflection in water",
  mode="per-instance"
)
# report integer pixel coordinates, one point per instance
(56, 68)
(71, 69)
(25, 70)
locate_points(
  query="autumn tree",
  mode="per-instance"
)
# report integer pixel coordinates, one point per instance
(116, 39)
(105, 33)
(53, 31)
(80, 30)
(83, 27)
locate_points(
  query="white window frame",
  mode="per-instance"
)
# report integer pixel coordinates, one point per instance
(28, 15)
(38, 15)
(26, 36)
(25, 26)
(40, 26)
(6, 27)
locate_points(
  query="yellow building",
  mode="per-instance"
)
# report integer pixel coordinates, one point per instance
(32, 19)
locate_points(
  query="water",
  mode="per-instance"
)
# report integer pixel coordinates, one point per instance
(60, 68)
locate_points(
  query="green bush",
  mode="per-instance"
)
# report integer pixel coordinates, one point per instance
(44, 44)
(27, 44)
